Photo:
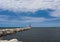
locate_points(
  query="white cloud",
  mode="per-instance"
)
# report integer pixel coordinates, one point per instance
(37, 19)
(5, 19)
(34, 19)
(28, 5)
(56, 13)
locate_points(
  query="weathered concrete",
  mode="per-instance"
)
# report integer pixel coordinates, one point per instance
(11, 31)
(12, 40)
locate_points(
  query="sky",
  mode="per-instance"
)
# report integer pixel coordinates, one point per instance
(38, 13)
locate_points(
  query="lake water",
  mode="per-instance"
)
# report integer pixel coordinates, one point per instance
(37, 35)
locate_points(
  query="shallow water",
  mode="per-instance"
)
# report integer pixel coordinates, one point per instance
(37, 35)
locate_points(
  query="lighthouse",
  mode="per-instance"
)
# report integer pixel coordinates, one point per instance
(30, 26)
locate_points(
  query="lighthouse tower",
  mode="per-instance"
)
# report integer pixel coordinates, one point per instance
(30, 26)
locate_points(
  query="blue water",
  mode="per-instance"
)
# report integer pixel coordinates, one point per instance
(37, 35)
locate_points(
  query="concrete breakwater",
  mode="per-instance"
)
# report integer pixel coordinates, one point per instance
(12, 40)
(9, 31)
(12, 31)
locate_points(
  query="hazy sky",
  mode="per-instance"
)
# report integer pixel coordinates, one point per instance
(39, 13)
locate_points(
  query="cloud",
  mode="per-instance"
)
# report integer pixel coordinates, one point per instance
(24, 19)
(6, 18)
(6, 21)
(37, 19)
(34, 19)
(56, 13)
(28, 5)
(28, 11)
(3, 18)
